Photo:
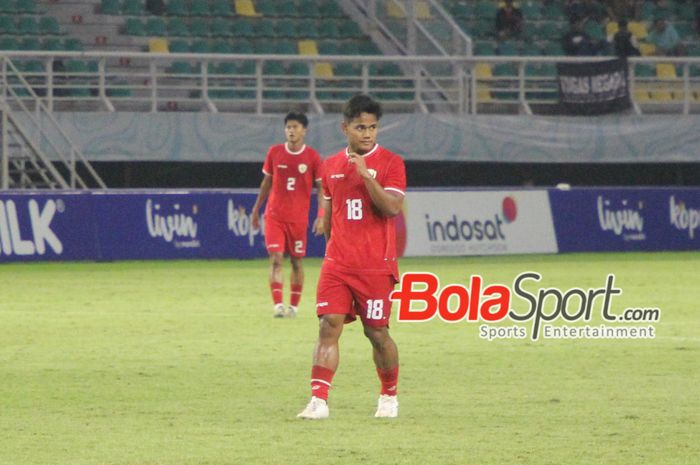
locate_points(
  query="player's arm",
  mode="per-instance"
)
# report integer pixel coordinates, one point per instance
(318, 228)
(327, 213)
(265, 187)
(389, 203)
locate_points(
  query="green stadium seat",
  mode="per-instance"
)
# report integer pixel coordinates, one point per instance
(8, 6)
(179, 46)
(298, 69)
(532, 10)
(119, 89)
(330, 9)
(76, 67)
(349, 29)
(73, 45)
(509, 48)
(264, 46)
(554, 12)
(462, 10)
(9, 43)
(177, 8)
(306, 28)
(33, 67)
(274, 68)
(532, 50)
(644, 70)
(109, 7)
(221, 46)
(52, 44)
(132, 7)
(177, 28)
(134, 27)
(200, 46)
(28, 25)
(242, 46)
(685, 29)
(222, 8)
(7, 25)
(48, 25)
(548, 30)
(181, 67)
(30, 43)
(478, 29)
(328, 29)
(685, 10)
(265, 8)
(553, 49)
(264, 28)
(485, 9)
(156, 27)
(287, 9)
(221, 27)
(199, 27)
(242, 28)
(349, 48)
(347, 69)
(595, 30)
(286, 47)
(199, 8)
(27, 7)
(310, 9)
(328, 47)
(286, 28)
(484, 48)
(367, 47)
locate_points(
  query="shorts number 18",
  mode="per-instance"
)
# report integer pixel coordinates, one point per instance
(375, 309)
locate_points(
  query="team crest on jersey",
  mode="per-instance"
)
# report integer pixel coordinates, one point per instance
(302, 168)
(372, 173)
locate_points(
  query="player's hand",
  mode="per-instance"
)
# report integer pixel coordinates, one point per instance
(318, 227)
(255, 219)
(360, 164)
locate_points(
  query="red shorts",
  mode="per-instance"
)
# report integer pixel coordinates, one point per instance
(366, 296)
(285, 237)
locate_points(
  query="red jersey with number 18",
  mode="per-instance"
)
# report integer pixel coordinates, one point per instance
(362, 239)
(293, 175)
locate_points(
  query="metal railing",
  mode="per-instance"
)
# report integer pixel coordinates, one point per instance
(118, 81)
(33, 140)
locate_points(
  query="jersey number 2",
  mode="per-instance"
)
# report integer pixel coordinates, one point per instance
(290, 183)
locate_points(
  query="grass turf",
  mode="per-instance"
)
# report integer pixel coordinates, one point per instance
(181, 363)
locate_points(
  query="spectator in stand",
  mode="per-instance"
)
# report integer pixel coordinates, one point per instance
(666, 39)
(509, 20)
(588, 9)
(577, 42)
(619, 9)
(155, 7)
(624, 44)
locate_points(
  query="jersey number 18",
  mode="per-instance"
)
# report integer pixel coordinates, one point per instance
(354, 209)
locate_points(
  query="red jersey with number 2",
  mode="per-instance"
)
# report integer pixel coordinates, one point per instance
(362, 239)
(293, 175)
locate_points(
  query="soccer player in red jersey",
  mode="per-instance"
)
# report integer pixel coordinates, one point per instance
(289, 174)
(363, 190)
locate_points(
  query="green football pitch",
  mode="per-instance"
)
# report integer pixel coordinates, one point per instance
(181, 363)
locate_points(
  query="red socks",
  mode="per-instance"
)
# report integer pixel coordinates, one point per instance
(389, 379)
(295, 295)
(276, 290)
(321, 378)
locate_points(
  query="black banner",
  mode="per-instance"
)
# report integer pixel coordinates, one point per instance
(594, 88)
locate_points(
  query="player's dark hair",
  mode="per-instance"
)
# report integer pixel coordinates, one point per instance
(297, 116)
(361, 104)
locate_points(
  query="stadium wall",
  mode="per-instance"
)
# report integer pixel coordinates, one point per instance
(232, 138)
(210, 224)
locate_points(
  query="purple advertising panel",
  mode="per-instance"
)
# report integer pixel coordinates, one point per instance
(52, 226)
(133, 225)
(591, 220)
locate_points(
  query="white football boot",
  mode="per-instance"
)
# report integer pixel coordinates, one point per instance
(387, 407)
(291, 311)
(279, 311)
(316, 409)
